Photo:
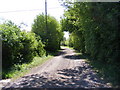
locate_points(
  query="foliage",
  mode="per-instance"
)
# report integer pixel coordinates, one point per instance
(18, 70)
(94, 26)
(94, 29)
(51, 35)
(17, 46)
(65, 42)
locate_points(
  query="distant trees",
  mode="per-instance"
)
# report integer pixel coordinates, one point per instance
(51, 35)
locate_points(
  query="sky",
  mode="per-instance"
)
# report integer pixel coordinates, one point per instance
(26, 10)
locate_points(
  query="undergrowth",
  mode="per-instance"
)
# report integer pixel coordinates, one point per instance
(20, 70)
(110, 72)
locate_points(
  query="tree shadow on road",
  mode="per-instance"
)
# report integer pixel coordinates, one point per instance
(57, 53)
(78, 77)
(60, 53)
(74, 57)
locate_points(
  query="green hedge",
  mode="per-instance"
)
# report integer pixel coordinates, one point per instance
(94, 29)
(18, 46)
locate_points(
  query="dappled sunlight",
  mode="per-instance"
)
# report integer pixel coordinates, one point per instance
(60, 53)
(74, 57)
(67, 71)
(80, 76)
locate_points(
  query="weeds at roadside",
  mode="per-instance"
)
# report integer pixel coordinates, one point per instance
(20, 70)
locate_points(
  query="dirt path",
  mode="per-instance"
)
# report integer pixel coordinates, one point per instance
(66, 70)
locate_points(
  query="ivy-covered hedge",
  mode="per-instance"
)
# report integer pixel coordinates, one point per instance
(18, 46)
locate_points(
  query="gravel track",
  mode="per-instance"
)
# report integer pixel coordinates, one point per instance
(66, 70)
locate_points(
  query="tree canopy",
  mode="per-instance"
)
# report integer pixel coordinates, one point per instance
(94, 29)
(51, 35)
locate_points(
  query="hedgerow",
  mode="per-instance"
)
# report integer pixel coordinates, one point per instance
(94, 29)
(18, 46)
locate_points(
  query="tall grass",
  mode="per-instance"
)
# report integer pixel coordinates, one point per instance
(19, 70)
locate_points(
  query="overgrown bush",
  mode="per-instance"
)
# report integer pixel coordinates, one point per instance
(31, 47)
(17, 46)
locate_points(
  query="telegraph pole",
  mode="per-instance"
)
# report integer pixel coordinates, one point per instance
(46, 14)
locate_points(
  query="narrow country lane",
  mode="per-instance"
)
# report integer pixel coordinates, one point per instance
(65, 70)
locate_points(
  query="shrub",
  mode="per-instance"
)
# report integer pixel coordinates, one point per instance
(18, 46)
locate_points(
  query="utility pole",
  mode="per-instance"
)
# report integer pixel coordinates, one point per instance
(46, 14)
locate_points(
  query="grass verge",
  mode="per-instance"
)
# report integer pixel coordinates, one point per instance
(110, 72)
(19, 70)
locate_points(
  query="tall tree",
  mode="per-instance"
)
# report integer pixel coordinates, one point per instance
(94, 29)
(50, 36)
